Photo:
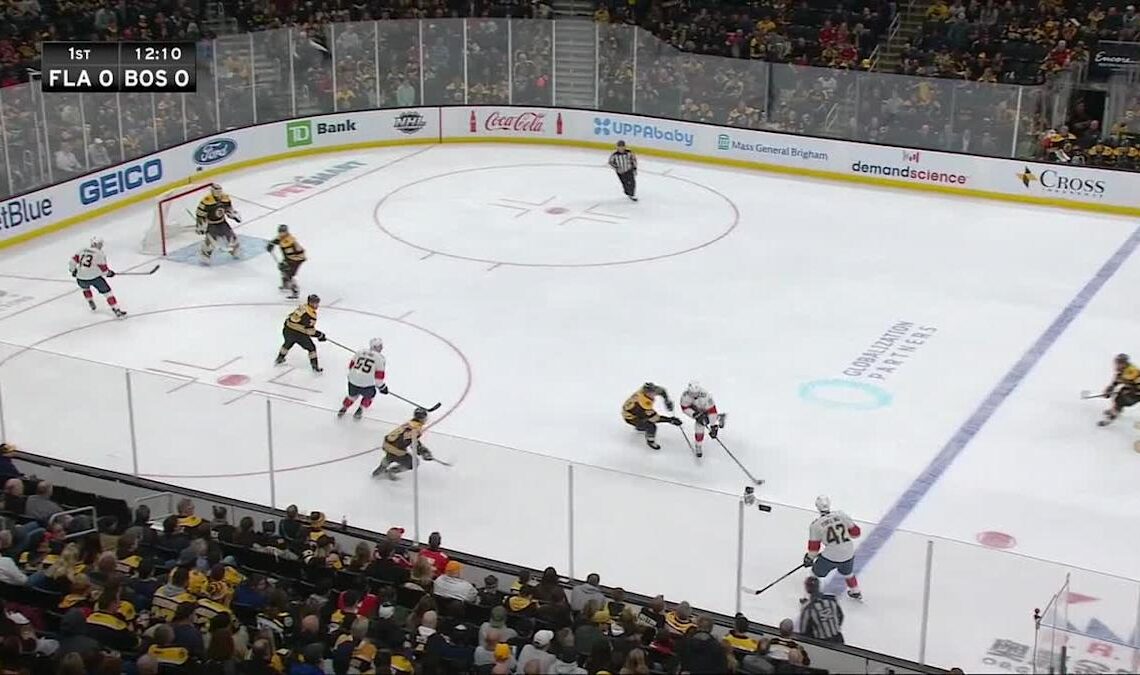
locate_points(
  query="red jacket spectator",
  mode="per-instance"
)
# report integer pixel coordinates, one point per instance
(437, 557)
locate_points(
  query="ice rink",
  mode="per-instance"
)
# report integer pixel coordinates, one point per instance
(918, 359)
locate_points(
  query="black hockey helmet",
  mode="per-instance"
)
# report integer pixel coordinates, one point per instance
(313, 299)
(420, 414)
(282, 228)
(1121, 360)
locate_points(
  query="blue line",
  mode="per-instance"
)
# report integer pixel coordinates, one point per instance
(985, 410)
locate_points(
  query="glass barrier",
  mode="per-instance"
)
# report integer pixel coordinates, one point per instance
(300, 71)
(927, 599)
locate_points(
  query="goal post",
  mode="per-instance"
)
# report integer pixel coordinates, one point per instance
(173, 219)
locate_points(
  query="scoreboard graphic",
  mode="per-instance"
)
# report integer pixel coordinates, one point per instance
(128, 67)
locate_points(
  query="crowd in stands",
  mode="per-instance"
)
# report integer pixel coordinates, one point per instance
(182, 594)
(954, 101)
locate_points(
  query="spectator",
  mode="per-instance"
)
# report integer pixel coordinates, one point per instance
(485, 653)
(538, 650)
(437, 557)
(253, 592)
(567, 664)
(140, 527)
(14, 499)
(616, 606)
(451, 585)
(221, 655)
(490, 595)
(361, 557)
(521, 581)
(680, 620)
(7, 467)
(291, 527)
(756, 663)
(821, 617)
(260, 660)
(591, 631)
(127, 559)
(549, 586)
(186, 634)
(700, 652)
(9, 571)
(166, 599)
(522, 604)
(423, 572)
(221, 526)
(653, 614)
(497, 622)
(635, 663)
(187, 520)
(245, 535)
(782, 646)
(583, 593)
(504, 660)
(73, 636)
(146, 665)
(111, 622)
(40, 506)
(72, 664)
(738, 638)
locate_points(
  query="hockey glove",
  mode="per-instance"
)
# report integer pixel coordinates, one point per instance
(1108, 390)
(675, 421)
(425, 453)
(668, 405)
(235, 215)
(702, 419)
(808, 560)
(320, 336)
(382, 388)
(110, 273)
(74, 273)
(269, 246)
(714, 430)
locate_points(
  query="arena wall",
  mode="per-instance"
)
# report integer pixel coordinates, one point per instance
(111, 188)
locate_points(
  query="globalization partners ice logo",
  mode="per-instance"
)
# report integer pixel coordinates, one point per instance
(606, 126)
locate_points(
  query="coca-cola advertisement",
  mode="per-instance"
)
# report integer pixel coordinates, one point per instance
(515, 122)
(1110, 56)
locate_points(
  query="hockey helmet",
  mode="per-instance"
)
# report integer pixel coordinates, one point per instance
(651, 389)
(376, 345)
(216, 188)
(313, 299)
(696, 389)
(420, 414)
(1121, 360)
(823, 504)
(282, 229)
(96, 242)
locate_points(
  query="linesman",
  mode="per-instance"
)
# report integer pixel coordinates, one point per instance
(624, 163)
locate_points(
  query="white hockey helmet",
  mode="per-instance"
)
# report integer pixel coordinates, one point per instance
(823, 504)
(696, 389)
(376, 344)
(96, 242)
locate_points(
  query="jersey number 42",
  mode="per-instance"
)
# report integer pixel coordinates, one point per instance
(837, 534)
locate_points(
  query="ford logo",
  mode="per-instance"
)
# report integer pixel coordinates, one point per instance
(212, 152)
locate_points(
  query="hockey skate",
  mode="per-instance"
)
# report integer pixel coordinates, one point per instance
(119, 314)
(649, 440)
(317, 368)
(1109, 417)
(91, 304)
(855, 594)
(340, 413)
(279, 361)
(700, 453)
(359, 414)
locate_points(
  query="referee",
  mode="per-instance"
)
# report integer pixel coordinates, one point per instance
(624, 162)
(821, 616)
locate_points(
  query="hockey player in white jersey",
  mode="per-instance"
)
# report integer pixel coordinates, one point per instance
(365, 378)
(90, 270)
(698, 403)
(835, 532)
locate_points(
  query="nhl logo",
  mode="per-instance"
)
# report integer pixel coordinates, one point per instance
(409, 122)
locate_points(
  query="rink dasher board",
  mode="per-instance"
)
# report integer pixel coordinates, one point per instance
(98, 193)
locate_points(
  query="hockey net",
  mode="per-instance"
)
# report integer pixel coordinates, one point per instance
(172, 224)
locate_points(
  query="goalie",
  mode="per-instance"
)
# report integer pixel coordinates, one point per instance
(210, 221)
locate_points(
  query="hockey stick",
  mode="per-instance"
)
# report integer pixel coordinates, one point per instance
(790, 573)
(410, 402)
(689, 443)
(748, 473)
(347, 349)
(137, 274)
(1085, 393)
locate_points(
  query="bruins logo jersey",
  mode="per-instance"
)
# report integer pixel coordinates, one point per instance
(290, 248)
(303, 320)
(401, 438)
(1129, 377)
(639, 407)
(212, 210)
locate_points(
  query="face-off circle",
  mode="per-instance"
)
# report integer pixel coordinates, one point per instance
(554, 215)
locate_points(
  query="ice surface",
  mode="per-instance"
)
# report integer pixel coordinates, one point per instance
(519, 288)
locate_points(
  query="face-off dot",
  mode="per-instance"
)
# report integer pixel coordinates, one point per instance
(992, 539)
(233, 380)
(557, 210)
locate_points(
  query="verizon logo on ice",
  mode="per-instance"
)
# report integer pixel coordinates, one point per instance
(301, 184)
(527, 122)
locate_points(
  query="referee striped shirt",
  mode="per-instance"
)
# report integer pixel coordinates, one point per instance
(623, 162)
(822, 618)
